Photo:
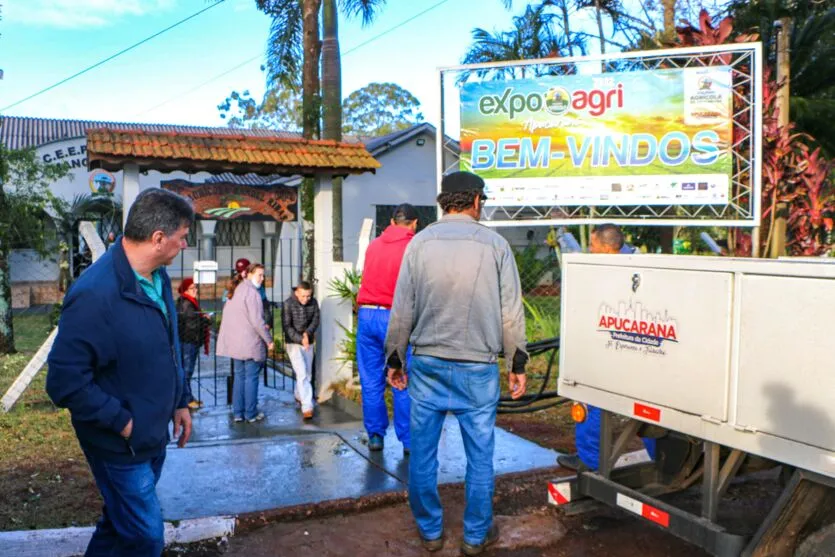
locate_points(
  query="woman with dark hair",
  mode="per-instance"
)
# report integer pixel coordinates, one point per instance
(238, 276)
(243, 337)
(193, 326)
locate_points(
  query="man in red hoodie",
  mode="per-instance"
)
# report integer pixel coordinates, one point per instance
(379, 277)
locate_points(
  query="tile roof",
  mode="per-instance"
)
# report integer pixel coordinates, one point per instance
(111, 147)
(379, 145)
(21, 132)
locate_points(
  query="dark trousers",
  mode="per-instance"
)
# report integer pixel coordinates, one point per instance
(190, 352)
(131, 523)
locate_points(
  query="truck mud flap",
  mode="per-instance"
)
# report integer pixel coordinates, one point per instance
(701, 532)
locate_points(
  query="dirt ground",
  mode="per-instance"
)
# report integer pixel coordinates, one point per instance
(383, 525)
(529, 528)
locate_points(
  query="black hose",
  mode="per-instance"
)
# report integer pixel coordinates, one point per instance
(525, 404)
(527, 400)
(529, 410)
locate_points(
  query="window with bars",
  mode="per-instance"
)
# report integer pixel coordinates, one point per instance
(426, 216)
(232, 233)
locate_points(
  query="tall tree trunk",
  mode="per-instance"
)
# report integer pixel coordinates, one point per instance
(311, 100)
(566, 28)
(311, 106)
(781, 212)
(600, 26)
(332, 107)
(669, 20)
(6, 324)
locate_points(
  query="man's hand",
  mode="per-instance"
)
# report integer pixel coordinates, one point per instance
(518, 385)
(398, 378)
(305, 341)
(182, 426)
(128, 430)
(270, 347)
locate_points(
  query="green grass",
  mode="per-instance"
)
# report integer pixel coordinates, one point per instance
(44, 479)
(542, 317)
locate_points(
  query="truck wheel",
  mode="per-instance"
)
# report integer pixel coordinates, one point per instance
(819, 544)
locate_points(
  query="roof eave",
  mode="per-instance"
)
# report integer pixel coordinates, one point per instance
(115, 163)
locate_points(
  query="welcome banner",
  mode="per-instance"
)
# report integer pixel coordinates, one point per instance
(659, 137)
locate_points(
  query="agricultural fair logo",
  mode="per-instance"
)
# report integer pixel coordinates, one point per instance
(556, 100)
(705, 83)
(634, 324)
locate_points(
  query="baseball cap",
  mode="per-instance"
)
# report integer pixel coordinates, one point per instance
(241, 265)
(407, 211)
(461, 181)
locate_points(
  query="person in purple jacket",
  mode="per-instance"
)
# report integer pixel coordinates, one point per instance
(244, 337)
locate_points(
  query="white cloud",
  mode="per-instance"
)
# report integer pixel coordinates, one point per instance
(79, 13)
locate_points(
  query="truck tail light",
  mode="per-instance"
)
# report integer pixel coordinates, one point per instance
(579, 412)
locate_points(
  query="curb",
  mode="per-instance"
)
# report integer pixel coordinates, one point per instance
(345, 404)
(68, 542)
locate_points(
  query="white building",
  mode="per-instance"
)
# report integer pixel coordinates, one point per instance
(408, 174)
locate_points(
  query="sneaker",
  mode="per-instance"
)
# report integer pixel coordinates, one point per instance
(239, 419)
(571, 462)
(433, 545)
(307, 415)
(375, 442)
(477, 549)
(258, 417)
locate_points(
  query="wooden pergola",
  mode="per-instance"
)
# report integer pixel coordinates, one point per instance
(135, 151)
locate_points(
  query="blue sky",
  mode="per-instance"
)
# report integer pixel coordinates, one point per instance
(165, 80)
(45, 41)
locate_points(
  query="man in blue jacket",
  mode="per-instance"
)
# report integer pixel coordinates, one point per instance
(115, 365)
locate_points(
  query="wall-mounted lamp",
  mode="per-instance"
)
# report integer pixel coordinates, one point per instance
(421, 141)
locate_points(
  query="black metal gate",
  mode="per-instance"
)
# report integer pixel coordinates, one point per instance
(214, 375)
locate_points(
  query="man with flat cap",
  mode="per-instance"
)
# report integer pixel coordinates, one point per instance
(458, 302)
(379, 277)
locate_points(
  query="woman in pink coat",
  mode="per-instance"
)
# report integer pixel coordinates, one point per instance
(244, 337)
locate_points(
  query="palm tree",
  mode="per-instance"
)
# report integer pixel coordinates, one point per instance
(811, 58)
(332, 90)
(534, 36)
(293, 44)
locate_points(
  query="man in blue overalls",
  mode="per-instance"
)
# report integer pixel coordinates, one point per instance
(606, 238)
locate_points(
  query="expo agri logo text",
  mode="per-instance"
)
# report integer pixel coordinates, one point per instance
(631, 327)
(556, 101)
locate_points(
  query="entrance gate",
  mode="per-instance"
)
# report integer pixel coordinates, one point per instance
(213, 374)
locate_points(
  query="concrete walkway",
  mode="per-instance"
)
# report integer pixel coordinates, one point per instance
(230, 469)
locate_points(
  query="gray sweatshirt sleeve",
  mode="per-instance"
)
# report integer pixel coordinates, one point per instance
(513, 314)
(402, 317)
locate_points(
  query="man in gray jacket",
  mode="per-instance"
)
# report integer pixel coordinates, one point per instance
(458, 302)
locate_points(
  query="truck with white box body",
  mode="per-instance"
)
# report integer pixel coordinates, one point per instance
(719, 359)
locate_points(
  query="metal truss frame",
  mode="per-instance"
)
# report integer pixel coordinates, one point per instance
(744, 204)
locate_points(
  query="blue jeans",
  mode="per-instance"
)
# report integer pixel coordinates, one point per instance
(587, 439)
(371, 358)
(190, 354)
(245, 388)
(471, 392)
(131, 522)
